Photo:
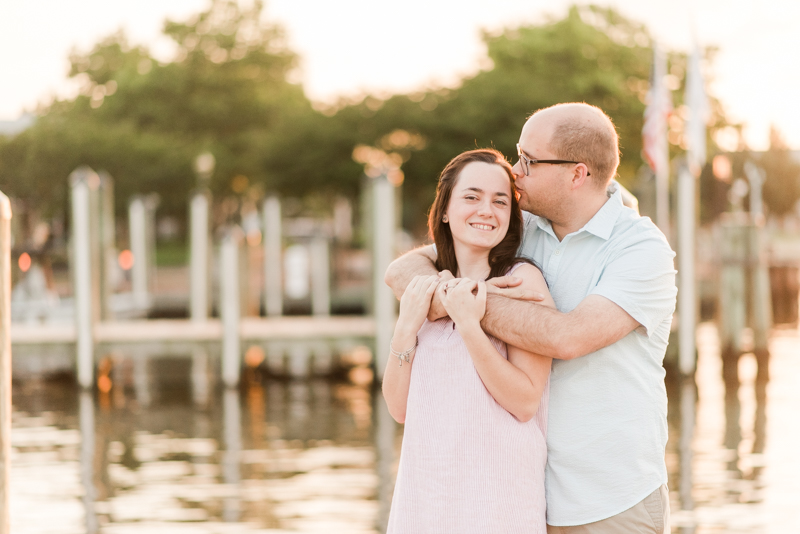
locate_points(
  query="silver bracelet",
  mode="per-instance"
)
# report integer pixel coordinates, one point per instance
(403, 356)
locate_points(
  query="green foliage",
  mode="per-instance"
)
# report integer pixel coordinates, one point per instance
(593, 55)
(782, 185)
(228, 91)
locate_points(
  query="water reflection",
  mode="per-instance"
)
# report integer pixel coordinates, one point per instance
(166, 451)
(86, 417)
(279, 456)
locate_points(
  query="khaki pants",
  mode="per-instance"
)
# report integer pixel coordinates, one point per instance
(650, 516)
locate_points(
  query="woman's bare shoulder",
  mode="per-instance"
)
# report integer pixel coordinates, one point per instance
(532, 278)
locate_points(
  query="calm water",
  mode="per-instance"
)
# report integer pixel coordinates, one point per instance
(320, 455)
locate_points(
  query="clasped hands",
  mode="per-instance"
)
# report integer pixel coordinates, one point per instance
(464, 300)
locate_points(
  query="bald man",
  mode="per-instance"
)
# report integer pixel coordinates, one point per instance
(612, 277)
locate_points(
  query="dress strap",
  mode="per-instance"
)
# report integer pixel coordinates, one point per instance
(514, 268)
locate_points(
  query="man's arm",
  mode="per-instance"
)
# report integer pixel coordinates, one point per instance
(420, 262)
(417, 262)
(595, 323)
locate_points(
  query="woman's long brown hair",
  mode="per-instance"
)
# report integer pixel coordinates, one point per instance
(504, 255)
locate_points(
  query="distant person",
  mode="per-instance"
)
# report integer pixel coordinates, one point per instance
(474, 408)
(612, 277)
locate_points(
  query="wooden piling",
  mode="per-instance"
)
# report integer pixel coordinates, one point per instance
(137, 229)
(687, 294)
(83, 181)
(5, 362)
(273, 292)
(199, 255)
(108, 252)
(320, 277)
(383, 250)
(744, 294)
(229, 307)
(732, 295)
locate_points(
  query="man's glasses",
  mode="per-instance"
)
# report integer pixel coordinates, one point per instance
(526, 162)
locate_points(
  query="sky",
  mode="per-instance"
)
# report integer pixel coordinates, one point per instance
(351, 47)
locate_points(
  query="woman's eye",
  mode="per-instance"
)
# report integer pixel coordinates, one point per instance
(501, 202)
(471, 197)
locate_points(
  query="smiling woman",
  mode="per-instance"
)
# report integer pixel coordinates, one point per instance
(476, 187)
(475, 409)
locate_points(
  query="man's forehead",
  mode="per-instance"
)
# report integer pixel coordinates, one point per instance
(536, 133)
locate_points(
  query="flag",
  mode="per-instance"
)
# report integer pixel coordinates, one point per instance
(656, 114)
(697, 102)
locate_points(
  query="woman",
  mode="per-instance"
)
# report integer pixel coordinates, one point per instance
(475, 410)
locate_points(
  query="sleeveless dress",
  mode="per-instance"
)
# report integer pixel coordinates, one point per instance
(466, 464)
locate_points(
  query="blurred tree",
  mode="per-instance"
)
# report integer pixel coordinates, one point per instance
(593, 55)
(229, 91)
(782, 184)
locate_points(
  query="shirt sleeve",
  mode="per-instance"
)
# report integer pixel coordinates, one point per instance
(641, 280)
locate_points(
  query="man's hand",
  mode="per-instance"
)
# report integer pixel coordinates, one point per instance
(510, 287)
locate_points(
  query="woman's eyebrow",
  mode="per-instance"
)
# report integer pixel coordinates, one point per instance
(479, 190)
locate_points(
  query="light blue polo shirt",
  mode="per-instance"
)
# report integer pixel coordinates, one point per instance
(607, 428)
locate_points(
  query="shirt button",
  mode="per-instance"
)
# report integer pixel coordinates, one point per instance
(558, 252)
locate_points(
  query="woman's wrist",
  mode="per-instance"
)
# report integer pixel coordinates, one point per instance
(468, 326)
(402, 341)
(404, 335)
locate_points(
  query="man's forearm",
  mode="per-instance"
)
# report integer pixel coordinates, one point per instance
(529, 326)
(595, 323)
(406, 267)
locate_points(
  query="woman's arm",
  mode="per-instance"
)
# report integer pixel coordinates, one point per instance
(516, 383)
(414, 305)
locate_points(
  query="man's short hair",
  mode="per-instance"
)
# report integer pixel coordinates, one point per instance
(587, 135)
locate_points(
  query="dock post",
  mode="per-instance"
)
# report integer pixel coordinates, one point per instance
(761, 303)
(273, 295)
(83, 181)
(5, 362)
(761, 300)
(687, 295)
(198, 252)
(108, 252)
(229, 306)
(385, 303)
(732, 297)
(141, 221)
(320, 277)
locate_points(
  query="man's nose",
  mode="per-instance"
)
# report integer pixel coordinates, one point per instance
(517, 170)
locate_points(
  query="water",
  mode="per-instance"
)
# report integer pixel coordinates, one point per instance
(320, 455)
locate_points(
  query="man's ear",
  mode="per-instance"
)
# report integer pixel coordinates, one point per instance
(580, 175)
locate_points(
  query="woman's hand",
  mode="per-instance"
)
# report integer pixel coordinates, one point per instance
(465, 301)
(415, 302)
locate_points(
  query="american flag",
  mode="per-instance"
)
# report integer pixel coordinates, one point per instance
(656, 114)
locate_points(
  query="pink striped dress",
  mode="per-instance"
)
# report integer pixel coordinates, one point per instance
(466, 465)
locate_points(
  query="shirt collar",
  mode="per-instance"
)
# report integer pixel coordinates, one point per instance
(603, 221)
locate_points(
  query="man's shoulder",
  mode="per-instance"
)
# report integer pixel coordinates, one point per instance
(634, 230)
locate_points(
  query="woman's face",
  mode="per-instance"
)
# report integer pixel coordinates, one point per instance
(480, 206)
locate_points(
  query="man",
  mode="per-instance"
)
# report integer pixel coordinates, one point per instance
(611, 275)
